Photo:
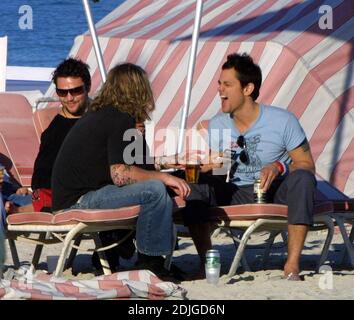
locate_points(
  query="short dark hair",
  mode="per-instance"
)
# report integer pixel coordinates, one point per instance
(73, 68)
(246, 71)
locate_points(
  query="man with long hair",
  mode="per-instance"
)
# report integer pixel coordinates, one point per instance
(92, 171)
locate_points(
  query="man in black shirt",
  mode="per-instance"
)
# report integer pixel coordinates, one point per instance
(73, 82)
(93, 171)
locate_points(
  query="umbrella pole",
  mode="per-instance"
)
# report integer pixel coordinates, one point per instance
(96, 44)
(191, 64)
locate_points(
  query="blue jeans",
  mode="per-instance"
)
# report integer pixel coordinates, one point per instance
(154, 230)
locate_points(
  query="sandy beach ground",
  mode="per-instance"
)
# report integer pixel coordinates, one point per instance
(337, 282)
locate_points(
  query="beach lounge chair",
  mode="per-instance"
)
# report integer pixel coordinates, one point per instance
(43, 117)
(19, 141)
(66, 227)
(343, 213)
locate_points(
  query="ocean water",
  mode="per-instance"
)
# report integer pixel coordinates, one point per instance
(55, 24)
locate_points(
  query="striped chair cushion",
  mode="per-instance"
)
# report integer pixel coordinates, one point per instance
(30, 218)
(123, 216)
(251, 211)
(254, 211)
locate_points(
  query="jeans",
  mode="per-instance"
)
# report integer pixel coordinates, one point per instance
(154, 230)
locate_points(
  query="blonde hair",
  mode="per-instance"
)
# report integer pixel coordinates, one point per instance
(128, 89)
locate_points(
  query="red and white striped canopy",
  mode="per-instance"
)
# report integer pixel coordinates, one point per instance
(307, 68)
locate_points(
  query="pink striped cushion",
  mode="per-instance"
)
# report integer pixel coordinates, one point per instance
(30, 218)
(255, 211)
(251, 211)
(123, 216)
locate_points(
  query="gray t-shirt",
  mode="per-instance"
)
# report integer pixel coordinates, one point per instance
(275, 132)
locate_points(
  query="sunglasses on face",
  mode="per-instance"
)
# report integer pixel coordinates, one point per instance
(73, 91)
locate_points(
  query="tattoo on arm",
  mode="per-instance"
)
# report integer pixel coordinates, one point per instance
(305, 145)
(121, 174)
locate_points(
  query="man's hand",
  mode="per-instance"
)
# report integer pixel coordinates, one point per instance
(179, 186)
(268, 174)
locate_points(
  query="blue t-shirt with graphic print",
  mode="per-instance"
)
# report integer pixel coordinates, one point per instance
(274, 133)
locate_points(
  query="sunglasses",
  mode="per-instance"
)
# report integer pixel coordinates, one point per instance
(241, 142)
(73, 91)
(242, 156)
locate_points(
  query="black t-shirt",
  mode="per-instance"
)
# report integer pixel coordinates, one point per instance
(51, 141)
(91, 147)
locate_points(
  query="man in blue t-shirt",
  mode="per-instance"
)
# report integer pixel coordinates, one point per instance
(265, 143)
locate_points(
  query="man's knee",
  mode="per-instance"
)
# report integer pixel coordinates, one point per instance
(303, 177)
(156, 187)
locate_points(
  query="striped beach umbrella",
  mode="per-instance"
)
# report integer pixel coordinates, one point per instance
(305, 50)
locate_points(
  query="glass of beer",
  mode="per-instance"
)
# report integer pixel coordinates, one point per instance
(192, 172)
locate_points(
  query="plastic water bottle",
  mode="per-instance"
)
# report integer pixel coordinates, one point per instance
(212, 266)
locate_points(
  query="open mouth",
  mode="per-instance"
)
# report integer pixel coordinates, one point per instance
(223, 97)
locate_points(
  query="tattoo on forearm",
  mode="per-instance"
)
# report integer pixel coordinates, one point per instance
(121, 175)
(305, 145)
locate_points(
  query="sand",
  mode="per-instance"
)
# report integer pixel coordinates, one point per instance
(337, 282)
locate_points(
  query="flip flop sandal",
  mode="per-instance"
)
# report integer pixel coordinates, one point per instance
(293, 277)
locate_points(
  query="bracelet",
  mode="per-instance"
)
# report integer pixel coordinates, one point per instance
(283, 168)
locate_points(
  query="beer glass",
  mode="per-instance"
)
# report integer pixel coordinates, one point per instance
(192, 172)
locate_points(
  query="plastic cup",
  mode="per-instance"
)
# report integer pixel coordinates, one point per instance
(212, 274)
